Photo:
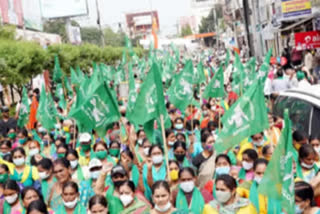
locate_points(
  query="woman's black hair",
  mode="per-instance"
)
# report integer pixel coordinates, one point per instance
(178, 118)
(258, 162)
(62, 140)
(63, 145)
(7, 143)
(181, 135)
(62, 161)
(212, 123)
(168, 132)
(127, 152)
(178, 144)
(18, 149)
(159, 184)
(187, 169)
(228, 180)
(205, 136)
(12, 185)
(155, 146)
(139, 131)
(27, 189)
(144, 141)
(224, 156)
(299, 135)
(37, 205)
(305, 150)
(100, 143)
(252, 154)
(192, 124)
(72, 152)
(46, 163)
(265, 149)
(114, 142)
(24, 132)
(5, 167)
(98, 199)
(314, 137)
(71, 184)
(128, 183)
(304, 191)
(174, 161)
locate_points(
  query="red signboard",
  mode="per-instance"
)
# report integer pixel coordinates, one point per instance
(307, 40)
(11, 12)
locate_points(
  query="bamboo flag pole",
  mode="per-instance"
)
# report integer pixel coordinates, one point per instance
(165, 145)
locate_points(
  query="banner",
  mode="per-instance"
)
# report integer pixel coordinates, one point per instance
(11, 12)
(32, 14)
(307, 40)
(293, 9)
(63, 8)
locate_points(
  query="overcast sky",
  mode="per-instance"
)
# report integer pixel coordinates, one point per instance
(169, 11)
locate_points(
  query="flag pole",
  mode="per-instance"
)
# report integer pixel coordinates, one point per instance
(165, 145)
(74, 135)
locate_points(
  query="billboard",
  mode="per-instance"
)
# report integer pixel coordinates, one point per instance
(32, 14)
(293, 9)
(307, 40)
(11, 12)
(141, 23)
(63, 8)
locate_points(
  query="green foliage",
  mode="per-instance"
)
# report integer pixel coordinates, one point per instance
(114, 39)
(7, 32)
(207, 23)
(186, 30)
(91, 35)
(58, 26)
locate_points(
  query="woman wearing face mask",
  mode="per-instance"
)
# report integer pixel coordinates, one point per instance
(5, 148)
(11, 196)
(12, 135)
(315, 142)
(306, 167)
(38, 207)
(146, 145)
(78, 173)
(267, 152)
(246, 173)
(188, 197)
(23, 173)
(170, 139)
(139, 148)
(62, 150)
(45, 168)
(249, 190)
(22, 138)
(114, 150)
(111, 192)
(98, 205)
(154, 170)
(304, 196)
(256, 142)
(34, 152)
(4, 175)
(126, 160)
(161, 198)
(180, 153)
(29, 195)
(131, 203)
(101, 152)
(48, 145)
(226, 201)
(174, 174)
(179, 125)
(70, 197)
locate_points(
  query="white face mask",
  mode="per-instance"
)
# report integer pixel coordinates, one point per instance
(258, 179)
(71, 204)
(18, 161)
(259, 144)
(317, 150)
(146, 151)
(74, 164)
(170, 143)
(157, 159)
(11, 199)
(247, 165)
(33, 152)
(223, 197)
(140, 141)
(179, 126)
(95, 174)
(43, 175)
(307, 166)
(187, 186)
(126, 199)
(164, 208)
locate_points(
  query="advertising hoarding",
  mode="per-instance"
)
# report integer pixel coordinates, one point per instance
(11, 12)
(307, 40)
(32, 14)
(293, 9)
(63, 8)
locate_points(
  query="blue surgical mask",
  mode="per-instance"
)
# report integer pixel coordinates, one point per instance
(298, 210)
(179, 126)
(222, 170)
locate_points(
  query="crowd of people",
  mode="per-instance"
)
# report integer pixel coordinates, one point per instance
(65, 171)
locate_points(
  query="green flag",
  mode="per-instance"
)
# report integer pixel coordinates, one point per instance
(47, 112)
(67, 86)
(57, 73)
(106, 71)
(98, 109)
(60, 94)
(181, 90)
(74, 77)
(199, 76)
(250, 73)
(238, 76)
(227, 60)
(215, 88)
(132, 94)
(278, 180)
(264, 69)
(248, 116)
(80, 75)
(24, 109)
(129, 46)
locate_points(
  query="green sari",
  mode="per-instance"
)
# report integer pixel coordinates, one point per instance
(196, 205)
(114, 204)
(45, 189)
(138, 207)
(135, 175)
(78, 210)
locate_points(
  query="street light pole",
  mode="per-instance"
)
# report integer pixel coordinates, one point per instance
(99, 24)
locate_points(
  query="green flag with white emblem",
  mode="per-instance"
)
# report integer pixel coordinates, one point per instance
(278, 180)
(47, 112)
(24, 109)
(132, 94)
(215, 88)
(181, 90)
(246, 117)
(264, 69)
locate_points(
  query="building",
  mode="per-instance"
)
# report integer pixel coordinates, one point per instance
(140, 23)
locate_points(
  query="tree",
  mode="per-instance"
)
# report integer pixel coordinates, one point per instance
(58, 26)
(113, 39)
(208, 25)
(186, 30)
(91, 35)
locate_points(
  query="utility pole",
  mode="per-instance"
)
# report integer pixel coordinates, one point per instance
(99, 24)
(246, 10)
